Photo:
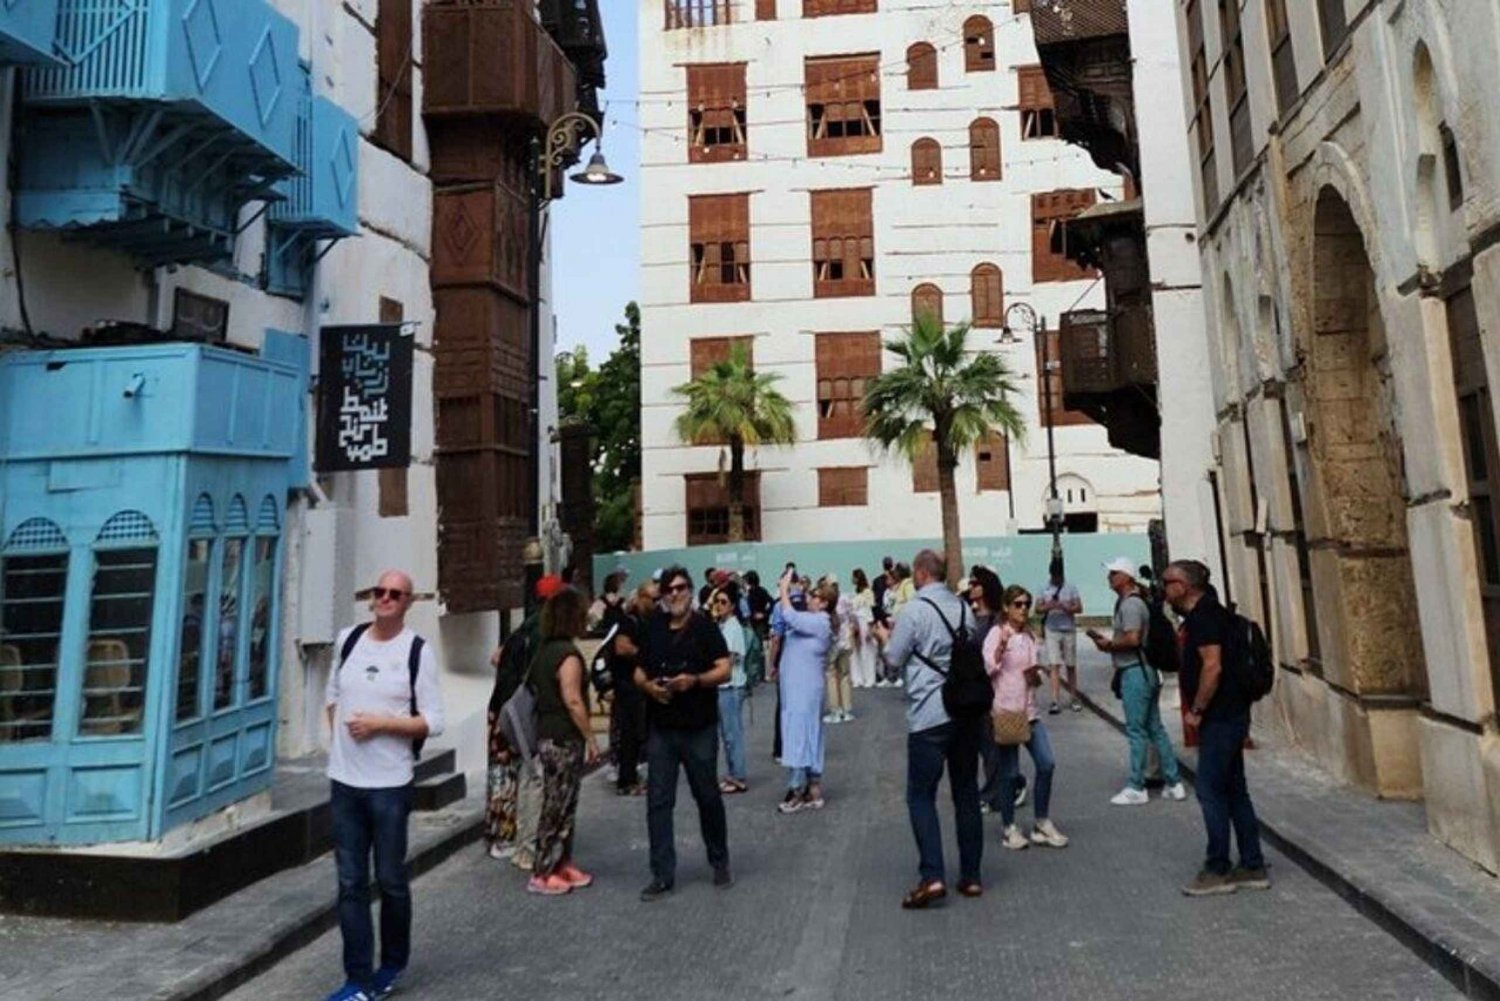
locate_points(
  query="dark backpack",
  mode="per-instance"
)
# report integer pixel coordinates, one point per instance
(967, 691)
(413, 665)
(1160, 642)
(1255, 668)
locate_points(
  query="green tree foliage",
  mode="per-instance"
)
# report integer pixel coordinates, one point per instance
(941, 395)
(609, 400)
(733, 404)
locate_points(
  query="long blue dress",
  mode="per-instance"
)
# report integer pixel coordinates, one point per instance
(808, 637)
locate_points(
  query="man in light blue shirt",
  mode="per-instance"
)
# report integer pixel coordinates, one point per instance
(921, 645)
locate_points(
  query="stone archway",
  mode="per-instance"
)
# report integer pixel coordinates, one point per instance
(1356, 522)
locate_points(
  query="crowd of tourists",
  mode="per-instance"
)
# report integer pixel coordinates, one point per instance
(678, 662)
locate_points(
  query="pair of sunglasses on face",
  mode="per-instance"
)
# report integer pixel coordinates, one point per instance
(393, 593)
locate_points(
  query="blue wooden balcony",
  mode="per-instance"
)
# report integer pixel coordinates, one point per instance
(27, 28)
(169, 116)
(321, 201)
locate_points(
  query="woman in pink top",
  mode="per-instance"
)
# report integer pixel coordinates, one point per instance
(1010, 655)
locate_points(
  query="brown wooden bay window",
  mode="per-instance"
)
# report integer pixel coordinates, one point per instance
(1038, 120)
(719, 235)
(716, 112)
(1049, 211)
(846, 362)
(843, 105)
(843, 244)
(708, 508)
(843, 486)
(992, 463)
(1061, 416)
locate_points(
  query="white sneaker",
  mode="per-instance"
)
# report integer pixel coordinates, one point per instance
(1177, 792)
(1130, 797)
(1044, 833)
(848, 717)
(882, 683)
(1014, 839)
(502, 850)
(898, 683)
(833, 718)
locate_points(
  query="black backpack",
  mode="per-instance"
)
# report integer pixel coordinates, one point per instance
(967, 691)
(413, 665)
(1255, 668)
(1159, 645)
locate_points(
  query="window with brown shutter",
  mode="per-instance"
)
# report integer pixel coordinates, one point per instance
(719, 234)
(984, 150)
(1038, 121)
(924, 469)
(992, 462)
(706, 352)
(393, 59)
(927, 300)
(716, 112)
(765, 10)
(1052, 373)
(921, 67)
(926, 162)
(1049, 210)
(843, 105)
(843, 486)
(829, 8)
(708, 508)
(987, 296)
(698, 13)
(846, 362)
(979, 44)
(1020, 6)
(843, 251)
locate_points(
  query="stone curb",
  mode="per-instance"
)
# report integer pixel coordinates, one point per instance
(1476, 977)
(299, 928)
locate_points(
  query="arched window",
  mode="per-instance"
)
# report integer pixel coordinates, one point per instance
(33, 590)
(231, 602)
(921, 67)
(927, 300)
(263, 599)
(979, 45)
(987, 296)
(122, 602)
(926, 162)
(984, 150)
(197, 620)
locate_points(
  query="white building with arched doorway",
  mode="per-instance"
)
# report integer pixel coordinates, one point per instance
(1349, 208)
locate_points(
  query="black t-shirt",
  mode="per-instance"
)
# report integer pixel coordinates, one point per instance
(760, 603)
(1209, 624)
(693, 649)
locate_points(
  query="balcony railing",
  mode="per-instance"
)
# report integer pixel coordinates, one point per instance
(27, 29)
(493, 58)
(699, 13)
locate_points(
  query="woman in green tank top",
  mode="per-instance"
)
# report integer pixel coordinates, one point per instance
(565, 741)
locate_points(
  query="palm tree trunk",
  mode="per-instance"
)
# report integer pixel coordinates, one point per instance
(736, 489)
(947, 462)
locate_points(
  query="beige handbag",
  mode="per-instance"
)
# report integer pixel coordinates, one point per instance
(1011, 728)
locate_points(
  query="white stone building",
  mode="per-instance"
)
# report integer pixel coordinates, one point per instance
(909, 150)
(1348, 204)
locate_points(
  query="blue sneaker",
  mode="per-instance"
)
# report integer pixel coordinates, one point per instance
(385, 982)
(350, 992)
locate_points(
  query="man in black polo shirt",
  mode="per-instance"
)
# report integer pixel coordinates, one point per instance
(684, 662)
(1211, 658)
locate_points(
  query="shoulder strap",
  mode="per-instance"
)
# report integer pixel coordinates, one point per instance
(350, 642)
(952, 633)
(414, 665)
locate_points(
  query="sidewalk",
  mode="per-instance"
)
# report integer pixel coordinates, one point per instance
(1375, 854)
(212, 951)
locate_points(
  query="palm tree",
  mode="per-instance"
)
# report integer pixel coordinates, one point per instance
(943, 396)
(733, 405)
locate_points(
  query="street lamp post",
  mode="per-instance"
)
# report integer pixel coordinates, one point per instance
(1037, 325)
(548, 153)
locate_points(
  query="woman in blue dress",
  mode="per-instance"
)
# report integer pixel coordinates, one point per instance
(809, 635)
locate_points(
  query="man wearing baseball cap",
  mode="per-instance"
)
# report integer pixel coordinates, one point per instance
(1138, 686)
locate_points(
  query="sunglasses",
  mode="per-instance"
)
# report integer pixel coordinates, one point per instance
(679, 588)
(393, 593)
(1020, 603)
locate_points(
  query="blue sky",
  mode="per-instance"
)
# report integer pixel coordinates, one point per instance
(596, 231)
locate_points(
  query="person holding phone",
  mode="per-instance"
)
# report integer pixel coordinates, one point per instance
(809, 635)
(684, 662)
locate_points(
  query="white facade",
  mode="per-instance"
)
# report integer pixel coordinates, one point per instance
(929, 233)
(338, 541)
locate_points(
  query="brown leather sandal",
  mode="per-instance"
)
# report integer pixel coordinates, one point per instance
(924, 894)
(971, 888)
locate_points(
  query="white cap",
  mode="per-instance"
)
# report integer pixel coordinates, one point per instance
(832, 578)
(1121, 564)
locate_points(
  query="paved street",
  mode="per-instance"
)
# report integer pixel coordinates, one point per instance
(815, 912)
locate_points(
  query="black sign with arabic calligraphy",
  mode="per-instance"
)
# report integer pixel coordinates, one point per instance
(364, 398)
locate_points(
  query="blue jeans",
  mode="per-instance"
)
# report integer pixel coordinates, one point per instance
(955, 744)
(1143, 726)
(696, 752)
(1223, 794)
(364, 819)
(732, 730)
(1040, 748)
(798, 779)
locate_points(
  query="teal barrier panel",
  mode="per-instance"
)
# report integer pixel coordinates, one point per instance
(1018, 559)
